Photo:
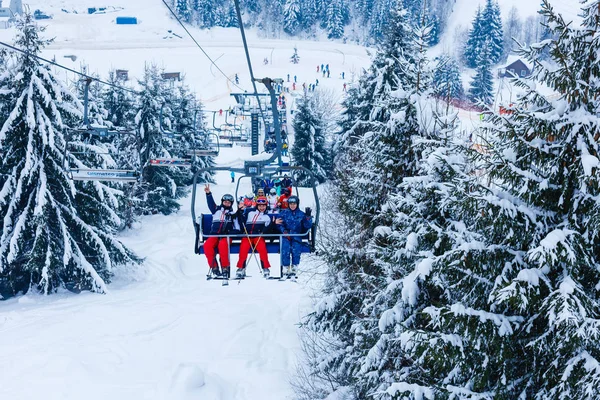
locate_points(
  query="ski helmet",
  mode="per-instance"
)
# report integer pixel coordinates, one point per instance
(273, 191)
(261, 200)
(250, 196)
(227, 197)
(293, 200)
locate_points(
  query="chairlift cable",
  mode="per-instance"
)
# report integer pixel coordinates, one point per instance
(68, 69)
(241, 25)
(198, 44)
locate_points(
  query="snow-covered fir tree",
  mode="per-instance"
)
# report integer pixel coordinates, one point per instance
(291, 13)
(186, 114)
(182, 8)
(523, 316)
(380, 17)
(335, 19)
(48, 239)
(162, 185)
(415, 229)
(447, 82)
(492, 30)
(476, 38)
(513, 28)
(481, 88)
(118, 103)
(377, 157)
(309, 150)
(486, 29)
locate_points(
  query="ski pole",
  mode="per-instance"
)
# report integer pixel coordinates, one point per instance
(253, 248)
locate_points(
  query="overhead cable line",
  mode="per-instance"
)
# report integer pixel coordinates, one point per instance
(198, 44)
(68, 69)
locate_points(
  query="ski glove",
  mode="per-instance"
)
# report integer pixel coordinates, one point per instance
(308, 211)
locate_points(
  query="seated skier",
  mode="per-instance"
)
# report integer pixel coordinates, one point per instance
(224, 221)
(292, 220)
(256, 221)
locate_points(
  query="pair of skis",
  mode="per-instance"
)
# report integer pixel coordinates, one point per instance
(225, 281)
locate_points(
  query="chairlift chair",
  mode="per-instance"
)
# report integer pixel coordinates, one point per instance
(100, 132)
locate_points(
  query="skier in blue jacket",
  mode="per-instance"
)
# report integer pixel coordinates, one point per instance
(294, 221)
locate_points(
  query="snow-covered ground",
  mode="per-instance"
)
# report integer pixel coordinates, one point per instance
(163, 331)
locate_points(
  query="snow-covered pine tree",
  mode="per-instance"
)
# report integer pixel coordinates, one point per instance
(309, 149)
(185, 107)
(524, 316)
(381, 15)
(513, 29)
(295, 58)
(475, 40)
(308, 14)
(379, 156)
(384, 148)
(205, 13)
(231, 20)
(162, 185)
(45, 242)
(415, 229)
(481, 89)
(291, 16)
(183, 10)
(335, 19)
(118, 103)
(447, 82)
(492, 30)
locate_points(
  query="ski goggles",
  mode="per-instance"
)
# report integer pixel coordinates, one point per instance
(292, 201)
(227, 197)
(261, 202)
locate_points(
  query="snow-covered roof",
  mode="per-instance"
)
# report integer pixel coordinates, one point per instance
(513, 57)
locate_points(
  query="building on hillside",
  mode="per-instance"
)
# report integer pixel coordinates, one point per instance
(5, 22)
(515, 68)
(126, 21)
(173, 76)
(122, 74)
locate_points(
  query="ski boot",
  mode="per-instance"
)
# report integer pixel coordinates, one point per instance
(291, 271)
(240, 273)
(225, 273)
(214, 273)
(266, 273)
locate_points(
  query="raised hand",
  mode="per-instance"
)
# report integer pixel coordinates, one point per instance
(207, 188)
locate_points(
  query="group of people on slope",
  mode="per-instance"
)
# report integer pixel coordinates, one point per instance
(251, 221)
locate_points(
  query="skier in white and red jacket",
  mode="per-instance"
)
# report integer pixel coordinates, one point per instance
(256, 221)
